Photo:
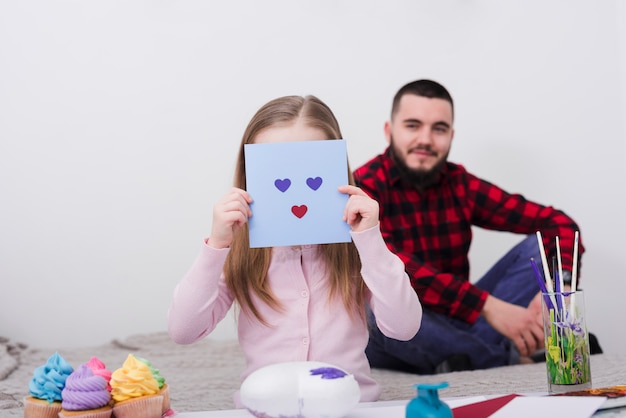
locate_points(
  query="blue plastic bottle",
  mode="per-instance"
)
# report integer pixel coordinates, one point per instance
(427, 403)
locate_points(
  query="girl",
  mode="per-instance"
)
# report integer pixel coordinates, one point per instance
(299, 303)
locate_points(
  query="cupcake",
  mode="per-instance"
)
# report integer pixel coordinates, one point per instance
(85, 395)
(99, 369)
(45, 388)
(164, 389)
(134, 390)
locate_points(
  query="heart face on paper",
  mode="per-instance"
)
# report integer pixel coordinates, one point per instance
(282, 185)
(314, 183)
(299, 211)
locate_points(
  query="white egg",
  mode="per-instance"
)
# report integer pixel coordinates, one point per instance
(303, 389)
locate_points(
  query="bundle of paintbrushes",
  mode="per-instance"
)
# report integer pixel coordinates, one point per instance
(566, 339)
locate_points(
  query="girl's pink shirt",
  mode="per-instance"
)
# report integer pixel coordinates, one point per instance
(310, 327)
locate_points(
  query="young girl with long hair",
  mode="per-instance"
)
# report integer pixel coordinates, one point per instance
(296, 303)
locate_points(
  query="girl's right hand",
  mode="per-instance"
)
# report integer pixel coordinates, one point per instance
(229, 214)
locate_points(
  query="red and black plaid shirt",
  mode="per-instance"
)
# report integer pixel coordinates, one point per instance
(431, 230)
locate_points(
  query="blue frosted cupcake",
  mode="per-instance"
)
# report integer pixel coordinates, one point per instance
(45, 388)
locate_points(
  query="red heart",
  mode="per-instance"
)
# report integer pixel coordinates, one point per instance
(299, 211)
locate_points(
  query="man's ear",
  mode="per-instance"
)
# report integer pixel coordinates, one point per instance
(388, 131)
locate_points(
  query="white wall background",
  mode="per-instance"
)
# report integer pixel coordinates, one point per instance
(120, 121)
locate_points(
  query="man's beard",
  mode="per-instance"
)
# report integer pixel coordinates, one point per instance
(420, 179)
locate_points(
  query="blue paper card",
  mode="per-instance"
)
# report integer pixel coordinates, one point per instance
(294, 191)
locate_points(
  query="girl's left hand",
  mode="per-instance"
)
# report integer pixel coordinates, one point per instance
(361, 211)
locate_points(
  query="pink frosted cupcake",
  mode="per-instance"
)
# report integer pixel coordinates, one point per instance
(99, 369)
(85, 395)
(45, 388)
(134, 390)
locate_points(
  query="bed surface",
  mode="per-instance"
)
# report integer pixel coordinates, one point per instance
(203, 376)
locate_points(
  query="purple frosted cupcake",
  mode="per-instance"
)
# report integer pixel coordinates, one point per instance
(85, 395)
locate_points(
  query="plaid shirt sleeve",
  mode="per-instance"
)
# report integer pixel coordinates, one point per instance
(498, 210)
(431, 233)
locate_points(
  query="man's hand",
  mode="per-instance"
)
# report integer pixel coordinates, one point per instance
(523, 326)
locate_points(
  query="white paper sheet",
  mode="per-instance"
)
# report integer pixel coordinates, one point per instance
(550, 406)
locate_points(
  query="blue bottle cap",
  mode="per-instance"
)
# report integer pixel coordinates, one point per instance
(427, 403)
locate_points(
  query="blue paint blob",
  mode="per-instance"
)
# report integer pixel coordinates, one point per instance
(328, 373)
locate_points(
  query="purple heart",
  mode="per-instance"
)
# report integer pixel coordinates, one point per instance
(282, 185)
(314, 183)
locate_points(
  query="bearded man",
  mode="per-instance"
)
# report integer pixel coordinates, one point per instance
(428, 206)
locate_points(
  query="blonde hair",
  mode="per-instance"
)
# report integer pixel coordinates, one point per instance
(246, 268)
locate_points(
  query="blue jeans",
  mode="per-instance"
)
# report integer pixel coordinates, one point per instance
(510, 279)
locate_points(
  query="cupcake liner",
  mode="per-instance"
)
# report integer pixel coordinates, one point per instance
(104, 412)
(150, 406)
(165, 392)
(40, 408)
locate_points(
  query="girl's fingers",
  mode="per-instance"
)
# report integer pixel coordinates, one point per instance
(230, 213)
(351, 190)
(236, 199)
(235, 206)
(243, 197)
(361, 212)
